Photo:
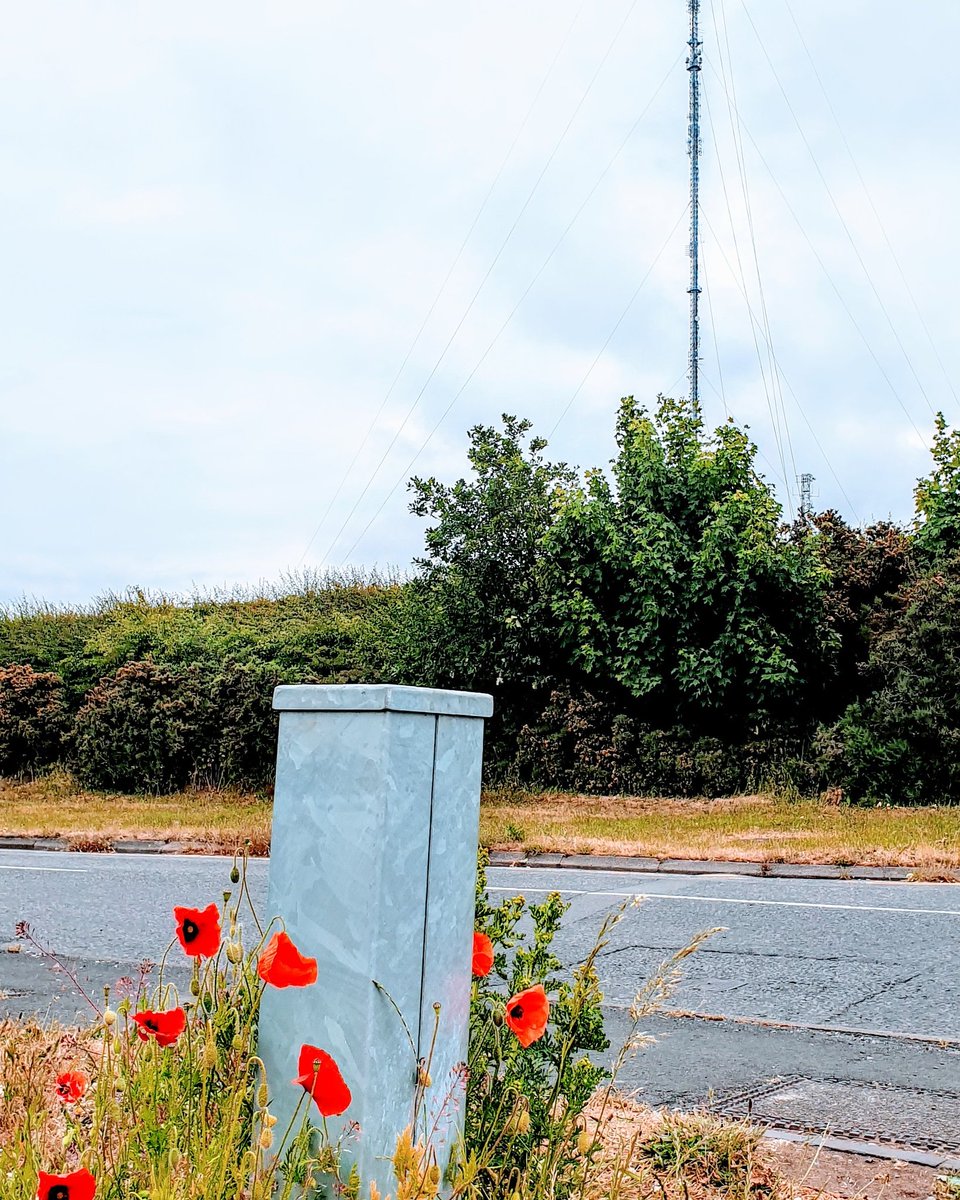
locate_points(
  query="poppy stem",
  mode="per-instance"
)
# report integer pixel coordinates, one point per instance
(406, 1029)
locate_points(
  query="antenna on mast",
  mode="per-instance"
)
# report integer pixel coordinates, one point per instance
(693, 147)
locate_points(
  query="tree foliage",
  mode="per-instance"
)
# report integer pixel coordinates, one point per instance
(937, 498)
(477, 614)
(673, 579)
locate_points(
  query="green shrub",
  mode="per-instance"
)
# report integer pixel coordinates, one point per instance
(33, 719)
(137, 731)
(152, 728)
(585, 743)
(235, 741)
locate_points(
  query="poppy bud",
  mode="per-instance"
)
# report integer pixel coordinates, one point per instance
(234, 874)
(523, 1122)
(498, 1018)
(433, 1175)
(237, 1043)
(109, 1017)
(174, 1156)
(234, 952)
(424, 1077)
(194, 986)
(266, 1139)
(269, 1120)
(263, 1096)
(208, 1060)
(584, 1141)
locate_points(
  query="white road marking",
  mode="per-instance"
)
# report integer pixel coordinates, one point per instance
(72, 870)
(925, 912)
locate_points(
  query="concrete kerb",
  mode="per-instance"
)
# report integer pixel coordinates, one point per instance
(520, 858)
(694, 866)
(116, 846)
(905, 1154)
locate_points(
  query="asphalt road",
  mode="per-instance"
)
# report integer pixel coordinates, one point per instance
(822, 1003)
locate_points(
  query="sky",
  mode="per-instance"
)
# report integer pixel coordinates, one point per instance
(263, 262)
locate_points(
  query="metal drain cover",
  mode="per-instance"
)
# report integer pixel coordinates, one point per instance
(872, 1112)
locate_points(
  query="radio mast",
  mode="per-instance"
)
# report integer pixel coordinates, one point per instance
(693, 148)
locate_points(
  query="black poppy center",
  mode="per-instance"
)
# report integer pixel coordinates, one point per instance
(191, 931)
(516, 1012)
(60, 1192)
(152, 1026)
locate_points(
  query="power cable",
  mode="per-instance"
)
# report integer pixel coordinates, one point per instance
(586, 200)
(829, 277)
(771, 409)
(873, 207)
(796, 399)
(713, 331)
(453, 266)
(486, 276)
(837, 210)
(731, 96)
(619, 322)
(760, 454)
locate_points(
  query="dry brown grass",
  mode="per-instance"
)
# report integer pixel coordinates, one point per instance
(745, 828)
(31, 1057)
(645, 1154)
(55, 806)
(741, 829)
(649, 1155)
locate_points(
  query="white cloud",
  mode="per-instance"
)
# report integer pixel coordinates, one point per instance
(224, 224)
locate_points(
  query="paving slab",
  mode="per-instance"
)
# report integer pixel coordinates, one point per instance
(17, 843)
(51, 844)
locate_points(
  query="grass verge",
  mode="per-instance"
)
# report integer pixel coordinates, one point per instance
(56, 806)
(743, 829)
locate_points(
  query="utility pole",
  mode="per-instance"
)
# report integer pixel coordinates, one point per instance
(693, 147)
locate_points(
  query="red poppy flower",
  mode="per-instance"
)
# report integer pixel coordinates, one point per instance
(71, 1085)
(320, 1076)
(79, 1185)
(164, 1027)
(282, 964)
(527, 1014)
(199, 931)
(482, 955)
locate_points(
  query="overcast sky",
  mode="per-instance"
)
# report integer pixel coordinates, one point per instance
(223, 226)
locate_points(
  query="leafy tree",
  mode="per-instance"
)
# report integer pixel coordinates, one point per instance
(937, 498)
(900, 743)
(867, 568)
(476, 616)
(673, 580)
